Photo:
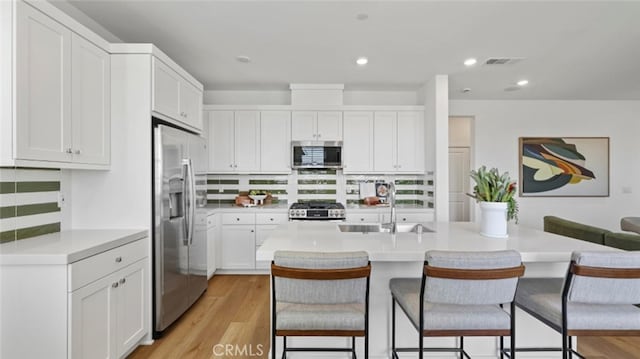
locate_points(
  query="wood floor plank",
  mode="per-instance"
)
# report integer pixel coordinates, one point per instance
(235, 310)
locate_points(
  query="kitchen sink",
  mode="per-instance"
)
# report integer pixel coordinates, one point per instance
(400, 228)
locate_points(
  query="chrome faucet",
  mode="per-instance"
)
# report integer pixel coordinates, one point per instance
(392, 202)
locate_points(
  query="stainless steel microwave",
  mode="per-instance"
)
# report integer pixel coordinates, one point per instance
(314, 154)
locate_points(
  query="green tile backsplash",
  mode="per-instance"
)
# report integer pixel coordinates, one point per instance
(28, 202)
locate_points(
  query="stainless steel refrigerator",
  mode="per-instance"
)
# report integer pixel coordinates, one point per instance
(180, 243)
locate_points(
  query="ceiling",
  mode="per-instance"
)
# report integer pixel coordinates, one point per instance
(571, 49)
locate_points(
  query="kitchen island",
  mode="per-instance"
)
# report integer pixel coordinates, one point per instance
(402, 255)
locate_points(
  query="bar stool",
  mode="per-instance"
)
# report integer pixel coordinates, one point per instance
(320, 294)
(460, 294)
(596, 298)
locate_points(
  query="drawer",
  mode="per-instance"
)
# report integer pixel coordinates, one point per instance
(95, 267)
(211, 221)
(271, 218)
(238, 218)
(415, 217)
(362, 217)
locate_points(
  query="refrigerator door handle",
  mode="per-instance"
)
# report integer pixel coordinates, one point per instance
(192, 200)
(186, 187)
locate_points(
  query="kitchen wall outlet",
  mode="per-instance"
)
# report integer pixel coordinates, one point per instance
(60, 199)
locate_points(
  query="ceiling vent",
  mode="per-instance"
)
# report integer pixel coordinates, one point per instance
(503, 60)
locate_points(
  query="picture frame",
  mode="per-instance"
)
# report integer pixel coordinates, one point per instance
(564, 166)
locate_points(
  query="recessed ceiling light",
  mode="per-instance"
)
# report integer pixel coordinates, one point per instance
(522, 82)
(243, 59)
(362, 61)
(470, 62)
(362, 16)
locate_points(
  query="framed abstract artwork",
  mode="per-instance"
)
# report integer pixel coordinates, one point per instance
(564, 166)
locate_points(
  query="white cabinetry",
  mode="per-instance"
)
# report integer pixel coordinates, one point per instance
(234, 141)
(175, 97)
(95, 307)
(107, 316)
(399, 144)
(238, 241)
(316, 126)
(212, 244)
(358, 142)
(367, 216)
(275, 141)
(383, 215)
(62, 90)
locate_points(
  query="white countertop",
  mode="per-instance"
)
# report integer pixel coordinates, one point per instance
(66, 247)
(534, 245)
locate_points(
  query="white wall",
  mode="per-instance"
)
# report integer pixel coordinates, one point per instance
(499, 124)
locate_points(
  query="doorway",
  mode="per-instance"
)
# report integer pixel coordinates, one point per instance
(459, 168)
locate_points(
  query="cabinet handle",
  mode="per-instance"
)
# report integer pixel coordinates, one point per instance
(235, 165)
(271, 219)
(319, 135)
(362, 219)
(231, 165)
(252, 231)
(237, 219)
(114, 285)
(69, 150)
(118, 259)
(404, 219)
(77, 152)
(123, 280)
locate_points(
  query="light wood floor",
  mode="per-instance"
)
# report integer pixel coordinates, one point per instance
(235, 310)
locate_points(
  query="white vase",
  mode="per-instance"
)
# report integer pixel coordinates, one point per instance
(493, 219)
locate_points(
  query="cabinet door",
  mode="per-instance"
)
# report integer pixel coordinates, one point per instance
(43, 76)
(190, 105)
(275, 141)
(166, 90)
(303, 126)
(410, 142)
(362, 217)
(211, 251)
(131, 310)
(329, 127)
(358, 142)
(91, 104)
(92, 326)
(221, 145)
(247, 141)
(238, 247)
(384, 139)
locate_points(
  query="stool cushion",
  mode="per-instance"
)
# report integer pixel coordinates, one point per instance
(542, 298)
(294, 316)
(439, 316)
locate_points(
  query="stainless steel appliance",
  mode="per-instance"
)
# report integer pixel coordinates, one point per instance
(180, 244)
(320, 211)
(316, 154)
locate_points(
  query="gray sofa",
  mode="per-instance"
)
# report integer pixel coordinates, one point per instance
(626, 241)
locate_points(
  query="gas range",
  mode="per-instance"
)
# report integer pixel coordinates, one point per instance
(319, 211)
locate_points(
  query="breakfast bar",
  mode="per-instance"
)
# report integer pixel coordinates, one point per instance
(402, 255)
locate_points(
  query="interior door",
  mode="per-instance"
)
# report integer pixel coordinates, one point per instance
(459, 202)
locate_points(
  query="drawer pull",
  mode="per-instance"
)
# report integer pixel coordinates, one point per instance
(237, 219)
(118, 259)
(271, 219)
(123, 280)
(114, 285)
(361, 219)
(404, 219)
(252, 231)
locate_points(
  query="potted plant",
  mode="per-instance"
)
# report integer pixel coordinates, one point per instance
(495, 193)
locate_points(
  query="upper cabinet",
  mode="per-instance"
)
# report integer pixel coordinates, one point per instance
(316, 126)
(399, 142)
(62, 95)
(175, 97)
(275, 141)
(358, 143)
(234, 141)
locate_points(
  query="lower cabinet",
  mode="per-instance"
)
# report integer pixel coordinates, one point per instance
(238, 246)
(384, 216)
(242, 234)
(212, 245)
(107, 316)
